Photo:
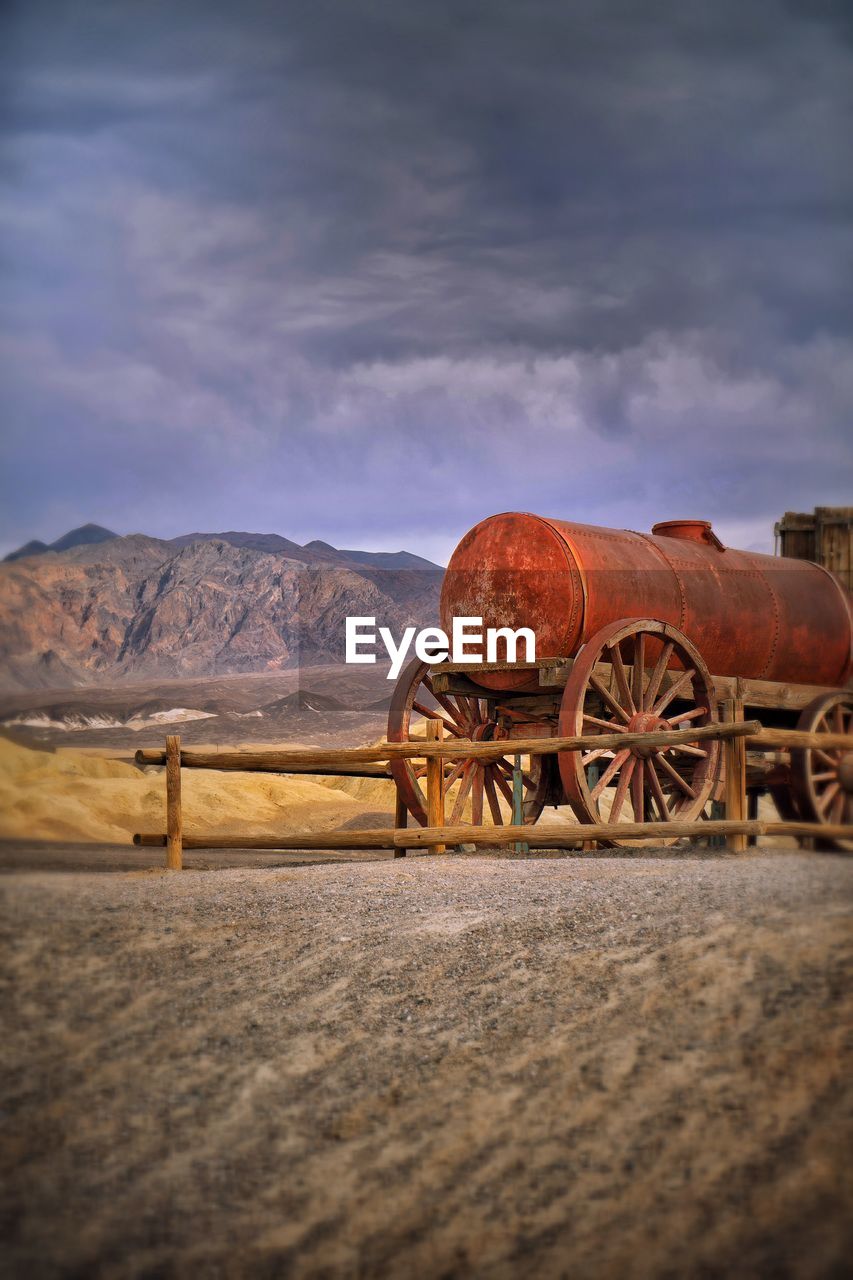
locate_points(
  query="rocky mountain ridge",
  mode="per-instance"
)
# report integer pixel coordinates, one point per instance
(136, 608)
(315, 552)
(83, 536)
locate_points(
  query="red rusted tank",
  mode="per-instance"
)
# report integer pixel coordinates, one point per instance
(750, 615)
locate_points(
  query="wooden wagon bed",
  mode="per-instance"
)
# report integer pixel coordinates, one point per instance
(448, 677)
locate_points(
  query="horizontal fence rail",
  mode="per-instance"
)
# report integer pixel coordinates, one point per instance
(306, 759)
(380, 838)
(439, 753)
(552, 837)
(545, 836)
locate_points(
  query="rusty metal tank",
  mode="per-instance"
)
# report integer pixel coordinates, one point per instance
(751, 615)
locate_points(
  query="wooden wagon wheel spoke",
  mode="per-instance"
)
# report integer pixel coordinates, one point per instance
(429, 714)
(459, 803)
(638, 790)
(450, 707)
(672, 692)
(492, 797)
(676, 777)
(677, 787)
(612, 769)
(695, 713)
(606, 696)
(472, 707)
(658, 673)
(639, 670)
(609, 725)
(828, 796)
(477, 797)
(534, 782)
(509, 770)
(657, 789)
(505, 789)
(455, 774)
(622, 789)
(621, 679)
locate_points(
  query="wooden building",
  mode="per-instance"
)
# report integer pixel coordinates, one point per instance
(824, 536)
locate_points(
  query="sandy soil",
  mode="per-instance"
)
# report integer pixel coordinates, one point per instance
(582, 1067)
(69, 795)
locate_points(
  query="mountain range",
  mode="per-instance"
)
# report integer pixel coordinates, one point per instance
(315, 552)
(85, 535)
(95, 607)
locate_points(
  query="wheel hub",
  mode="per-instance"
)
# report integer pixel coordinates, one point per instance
(646, 722)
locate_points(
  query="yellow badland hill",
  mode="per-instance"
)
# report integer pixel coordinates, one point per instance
(71, 795)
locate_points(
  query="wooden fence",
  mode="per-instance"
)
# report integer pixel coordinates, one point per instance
(735, 733)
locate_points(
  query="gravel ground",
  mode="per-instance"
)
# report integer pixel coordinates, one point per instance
(431, 1067)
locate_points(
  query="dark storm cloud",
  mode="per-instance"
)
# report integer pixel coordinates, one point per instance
(371, 271)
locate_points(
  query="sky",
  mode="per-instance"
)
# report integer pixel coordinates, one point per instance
(371, 270)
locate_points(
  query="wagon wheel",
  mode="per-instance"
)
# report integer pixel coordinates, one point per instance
(823, 780)
(656, 680)
(469, 783)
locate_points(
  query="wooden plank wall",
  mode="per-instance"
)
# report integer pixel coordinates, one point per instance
(824, 536)
(834, 541)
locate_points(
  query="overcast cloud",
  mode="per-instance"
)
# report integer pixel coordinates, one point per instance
(371, 271)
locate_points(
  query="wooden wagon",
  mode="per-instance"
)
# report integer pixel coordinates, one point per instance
(615, 668)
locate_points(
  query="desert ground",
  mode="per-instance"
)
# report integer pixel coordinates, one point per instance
(304, 1064)
(458, 1066)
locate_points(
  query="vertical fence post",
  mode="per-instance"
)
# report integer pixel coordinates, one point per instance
(734, 752)
(174, 833)
(518, 801)
(435, 782)
(401, 821)
(752, 815)
(593, 773)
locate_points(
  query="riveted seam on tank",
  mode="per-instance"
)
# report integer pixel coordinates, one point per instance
(672, 565)
(577, 580)
(610, 537)
(776, 625)
(578, 577)
(690, 566)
